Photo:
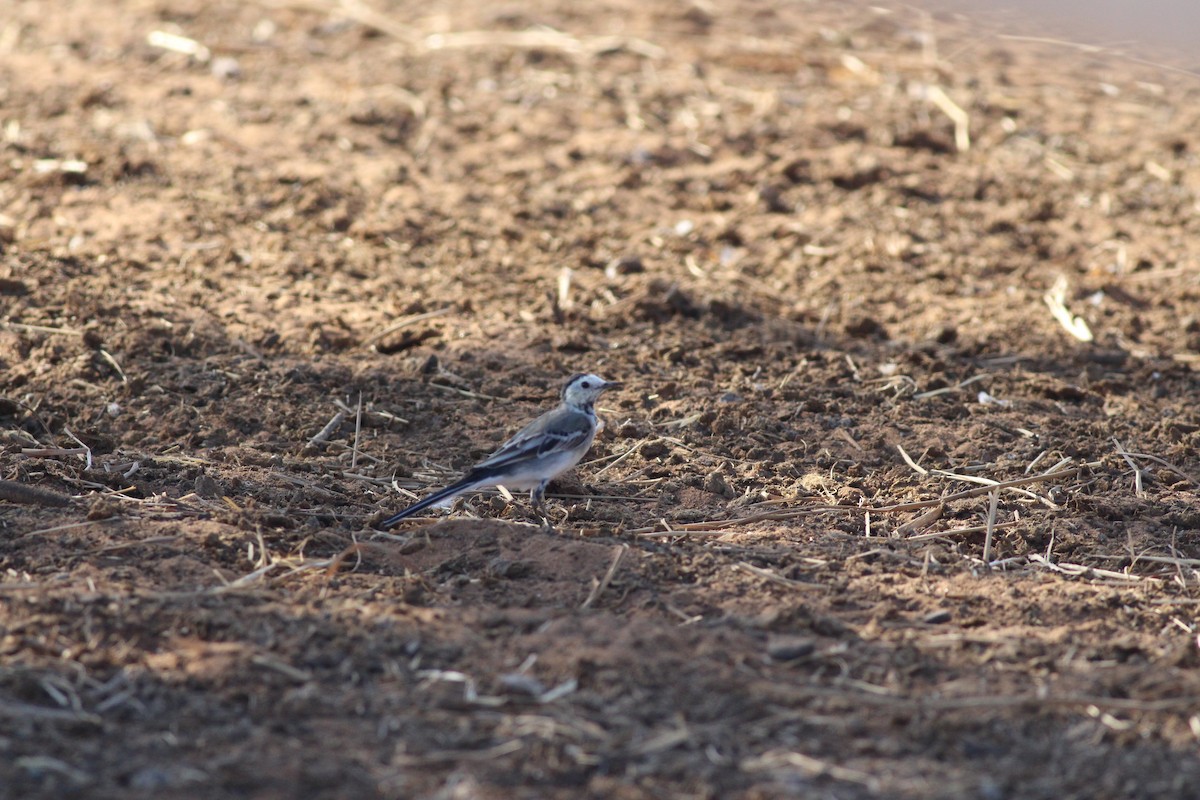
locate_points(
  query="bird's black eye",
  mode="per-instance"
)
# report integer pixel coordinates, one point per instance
(586, 385)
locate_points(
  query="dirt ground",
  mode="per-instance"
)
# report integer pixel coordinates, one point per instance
(270, 270)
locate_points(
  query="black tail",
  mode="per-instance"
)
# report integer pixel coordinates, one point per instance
(442, 494)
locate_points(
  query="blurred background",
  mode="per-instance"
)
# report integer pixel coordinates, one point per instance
(1169, 29)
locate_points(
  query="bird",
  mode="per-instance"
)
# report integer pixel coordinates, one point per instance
(535, 455)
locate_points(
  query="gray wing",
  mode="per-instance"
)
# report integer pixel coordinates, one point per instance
(558, 431)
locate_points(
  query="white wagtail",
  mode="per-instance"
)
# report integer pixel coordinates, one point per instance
(540, 452)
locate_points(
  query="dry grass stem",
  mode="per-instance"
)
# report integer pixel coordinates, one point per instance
(564, 301)
(12, 709)
(369, 412)
(298, 675)
(463, 392)
(960, 118)
(720, 526)
(845, 435)
(1180, 562)
(112, 548)
(457, 756)
(1129, 456)
(1091, 48)
(20, 326)
(949, 389)
(621, 457)
(1032, 464)
(667, 533)
(922, 521)
(922, 537)
(963, 495)
(991, 482)
(775, 760)
(908, 460)
(1138, 490)
(178, 44)
(664, 529)
(405, 322)
(615, 497)
(776, 578)
(357, 432)
(603, 583)
(112, 362)
(356, 550)
(358, 12)
(371, 479)
(53, 452)
(87, 451)
(68, 526)
(991, 526)
(542, 39)
(1055, 300)
(323, 435)
(1084, 571)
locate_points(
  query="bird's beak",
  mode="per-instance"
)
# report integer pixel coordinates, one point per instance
(613, 385)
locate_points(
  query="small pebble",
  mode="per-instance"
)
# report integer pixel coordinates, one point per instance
(789, 648)
(518, 684)
(226, 68)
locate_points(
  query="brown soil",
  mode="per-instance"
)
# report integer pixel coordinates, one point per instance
(754, 214)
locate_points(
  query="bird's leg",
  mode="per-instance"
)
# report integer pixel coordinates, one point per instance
(536, 498)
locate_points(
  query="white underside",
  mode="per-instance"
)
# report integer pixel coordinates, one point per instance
(543, 469)
(526, 479)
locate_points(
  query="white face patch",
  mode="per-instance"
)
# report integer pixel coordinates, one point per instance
(584, 389)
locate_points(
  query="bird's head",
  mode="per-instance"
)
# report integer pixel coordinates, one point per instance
(582, 389)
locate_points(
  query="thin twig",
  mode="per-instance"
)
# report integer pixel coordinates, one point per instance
(600, 586)
(112, 362)
(923, 537)
(960, 118)
(1137, 471)
(464, 392)
(69, 526)
(87, 450)
(1084, 571)
(1167, 464)
(774, 760)
(618, 459)
(18, 710)
(1182, 562)
(908, 460)
(1034, 463)
(1073, 324)
(546, 38)
(405, 322)
(137, 543)
(776, 578)
(954, 388)
(787, 514)
(331, 426)
(945, 473)
(53, 452)
(1091, 48)
(921, 522)
(21, 326)
(298, 675)
(368, 410)
(991, 526)
(357, 431)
